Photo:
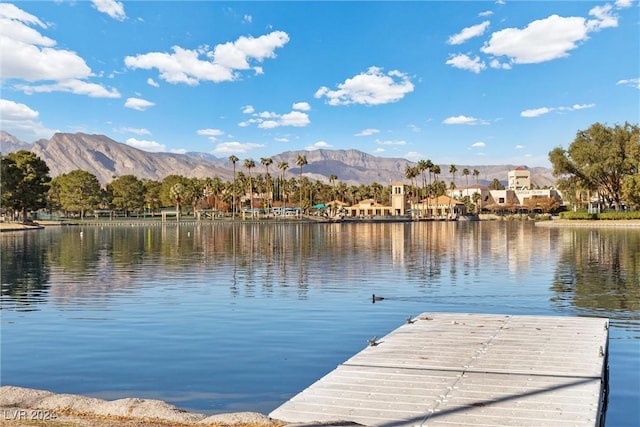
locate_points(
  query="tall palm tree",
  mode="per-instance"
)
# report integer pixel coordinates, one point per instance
(266, 162)
(452, 170)
(283, 166)
(421, 167)
(301, 160)
(332, 180)
(476, 173)
(465, 173)
(233, 159)
(250, 164)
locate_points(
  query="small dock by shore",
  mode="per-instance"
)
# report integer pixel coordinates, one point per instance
(451, 369)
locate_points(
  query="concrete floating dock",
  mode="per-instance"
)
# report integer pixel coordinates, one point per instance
(452, 369)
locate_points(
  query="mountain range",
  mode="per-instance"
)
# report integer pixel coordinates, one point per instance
(108, 159)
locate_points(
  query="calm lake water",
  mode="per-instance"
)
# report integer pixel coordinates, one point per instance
(240, 317)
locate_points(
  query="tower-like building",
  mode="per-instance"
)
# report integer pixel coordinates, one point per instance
(398, 199)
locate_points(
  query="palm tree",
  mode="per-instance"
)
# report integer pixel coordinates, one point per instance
(177, 194)
(476, 173)
(301, 160)
(421, 167)
(452, 170)
(332, 180)
(250, 164)
(283, 166)
(233, 159)
(266, 162)
(465, 173)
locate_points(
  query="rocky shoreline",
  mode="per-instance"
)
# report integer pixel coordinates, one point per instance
(29, 407)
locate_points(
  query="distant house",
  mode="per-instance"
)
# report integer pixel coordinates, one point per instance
(368, 208)
(441, 207)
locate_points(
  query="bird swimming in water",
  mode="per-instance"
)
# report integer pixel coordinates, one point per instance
(375, 298)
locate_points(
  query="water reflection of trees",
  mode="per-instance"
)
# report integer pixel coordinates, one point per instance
(24, 272)
(599, 269)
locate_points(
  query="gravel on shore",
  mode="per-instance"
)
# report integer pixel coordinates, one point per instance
(29, 407)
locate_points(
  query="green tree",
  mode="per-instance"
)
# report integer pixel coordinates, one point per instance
(25, 182)
(631, 191)
(598, 160)
(152, 190)
(79, 191)
(496, 185)
(301, 161)
(250, 164)
(233, 159)
(266, 162)
(127, 193)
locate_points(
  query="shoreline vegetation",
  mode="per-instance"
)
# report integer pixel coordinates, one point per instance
(30, 407)
(6, 226)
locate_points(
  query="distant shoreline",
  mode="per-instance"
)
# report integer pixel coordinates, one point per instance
(16, 226)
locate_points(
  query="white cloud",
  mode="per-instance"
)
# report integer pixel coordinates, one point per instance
(520, 146)
(271, 120)
(112, 8)
(604, 18)
(549, 38)
(222, 64)
(30, 56)
(485, 13)
(468, 33)
(317, 146)
(152, 82)
(138, 104)
(464, 120)
(635, 83)
(621, 4)
(20, 120)
(372, 87)
(247, 19)
(212, 134)
(295, 118)
(582, 106)
(379, 150)
(137, 131)
(367, 132)
(234, 147)
(496, 64)
(301, 106)
(281, 139)
(535, 112)
(248, 109)
(413, 156)
(141, 144)
(465, 62)
(478, 144)
(390, 142)
(78, 87)
(14, 111)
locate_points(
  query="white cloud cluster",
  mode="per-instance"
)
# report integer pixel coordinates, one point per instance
(390, 142)
(20, 119)
(464, 120)
(30, 56)
(367, 132)
(372, 87)
(112, 8)
(141, 144)
(539, 41)
(138, 104)
(318, 145)
(223, 63)
(234, 147)
(212, 134)
(468, 33)
(536, 112)
(635, 83)
(137, 131)
(269, 120)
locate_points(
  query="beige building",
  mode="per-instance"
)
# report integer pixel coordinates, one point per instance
(519, 179)
(441, 207)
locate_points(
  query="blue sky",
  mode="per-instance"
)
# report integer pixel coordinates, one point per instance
(467, 83)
